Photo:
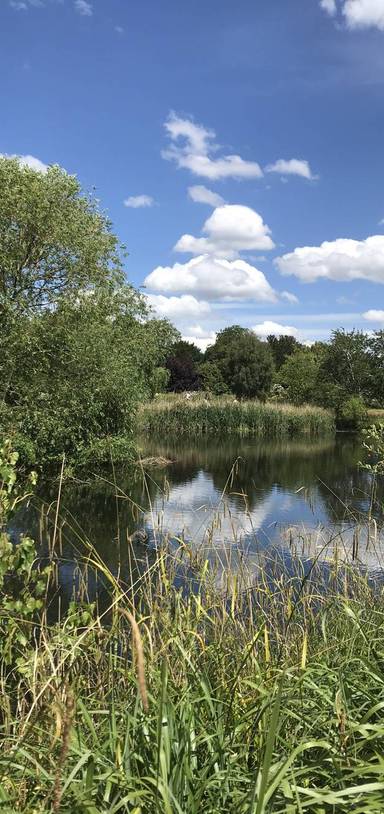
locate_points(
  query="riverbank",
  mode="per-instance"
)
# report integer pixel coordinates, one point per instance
(227, 416)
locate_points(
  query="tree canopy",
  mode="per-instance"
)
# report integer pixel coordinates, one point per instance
(54, 240)
(246, 363)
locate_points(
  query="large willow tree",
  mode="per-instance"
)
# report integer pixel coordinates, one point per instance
(77, 347)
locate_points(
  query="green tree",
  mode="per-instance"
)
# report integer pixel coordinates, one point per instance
(298, 375)
(211, 378)
(246, 363)
(78, 348)
(79, 371)
(376, 363)
(282, 347)
(53, 238)
(346, 364)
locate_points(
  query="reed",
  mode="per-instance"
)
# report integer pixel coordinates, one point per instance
(242, 690)
(229, 417)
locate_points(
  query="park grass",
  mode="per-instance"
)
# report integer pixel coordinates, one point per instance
(227, 416)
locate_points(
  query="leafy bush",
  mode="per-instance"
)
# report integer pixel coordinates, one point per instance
(351, 414)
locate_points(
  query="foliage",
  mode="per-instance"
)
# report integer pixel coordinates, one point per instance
(22, 586)
(211, 379)
(78, 371)
(182, 363)
(160, 380)
(78, 349)
(246, 363)
(373, 441)
(351, 414)
(282, 347)
(53, 239)
(346, 363)
(376, 364)
(298, 375)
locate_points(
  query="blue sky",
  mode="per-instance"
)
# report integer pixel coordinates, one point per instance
(246, 140)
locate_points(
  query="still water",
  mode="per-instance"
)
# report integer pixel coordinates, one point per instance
(230, 497)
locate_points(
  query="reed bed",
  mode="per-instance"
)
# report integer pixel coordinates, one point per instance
(230, 417)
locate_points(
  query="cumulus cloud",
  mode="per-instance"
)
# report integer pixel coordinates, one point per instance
(184, 307)
(139, 201)
(358, 13)
(329, 6)
(83, 7)
(266, 328)
(374, 316)
(364, 13)
(200, 337)
(213, 278)
(340, 260)
(293, 166)
(28, 161)
(291, 298)
(230, 229)
(193, 148)
(201, 194)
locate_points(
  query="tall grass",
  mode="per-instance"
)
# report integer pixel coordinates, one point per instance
(230, 417)
(242, 695)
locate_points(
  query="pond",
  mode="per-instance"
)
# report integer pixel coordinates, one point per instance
(227, 497)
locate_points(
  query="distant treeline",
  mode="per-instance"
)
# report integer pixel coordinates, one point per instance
(345, 374)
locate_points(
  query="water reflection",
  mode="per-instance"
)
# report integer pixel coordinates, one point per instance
(291, 494)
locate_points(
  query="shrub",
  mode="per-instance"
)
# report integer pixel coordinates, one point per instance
(351, 414)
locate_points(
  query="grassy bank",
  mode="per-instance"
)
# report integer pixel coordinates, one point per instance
(230, 417)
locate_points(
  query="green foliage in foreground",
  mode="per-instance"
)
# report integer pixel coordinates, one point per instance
(228, 416)
(229, 699)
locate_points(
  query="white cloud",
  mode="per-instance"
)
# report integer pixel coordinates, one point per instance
(28, 161)
(364, 13)
(83, 7)
(293, 166)
(192, 146)
(329, 6)
(230, 229)
(291, 298)
(212, 278)
(119, 29)
(184, 307)
(201, 194)
(200, 337)
(381, 222)
(266, 328)
(374, 316)
(340, 260)
(139, 201)
(358, 13)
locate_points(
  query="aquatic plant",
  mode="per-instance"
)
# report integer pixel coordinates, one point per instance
(228, 416)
